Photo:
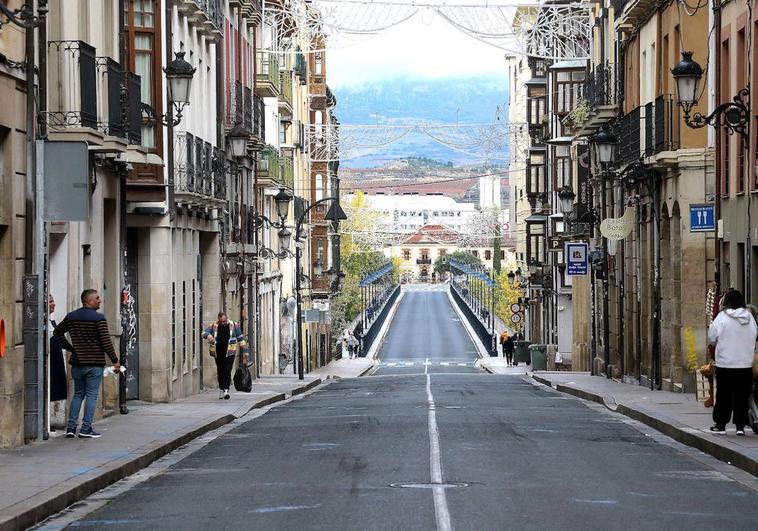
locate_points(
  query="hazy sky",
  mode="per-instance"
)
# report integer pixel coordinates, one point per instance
(424, 45)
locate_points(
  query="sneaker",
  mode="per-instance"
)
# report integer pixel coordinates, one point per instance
(70, 433)
(741, 432)
(227, 396)
(718, 430)
(89, 434)
(220, 394)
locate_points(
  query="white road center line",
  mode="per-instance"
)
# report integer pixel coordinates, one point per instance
(435, 464)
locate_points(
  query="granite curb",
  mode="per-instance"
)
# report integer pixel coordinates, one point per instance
(38, 507)
(676, 430)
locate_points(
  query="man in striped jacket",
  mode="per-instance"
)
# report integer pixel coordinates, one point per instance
(90, 343)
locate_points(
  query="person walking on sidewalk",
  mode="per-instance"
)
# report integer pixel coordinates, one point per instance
(90, 343)
(224, 337)
(508, 349)
(734, 332)
(352, 345)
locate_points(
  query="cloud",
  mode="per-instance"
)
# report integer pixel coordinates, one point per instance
(418, 47)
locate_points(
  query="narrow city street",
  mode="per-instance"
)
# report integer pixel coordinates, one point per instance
(434, 447)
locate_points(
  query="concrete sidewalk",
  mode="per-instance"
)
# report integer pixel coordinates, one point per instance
(41, 479)
(677, 415)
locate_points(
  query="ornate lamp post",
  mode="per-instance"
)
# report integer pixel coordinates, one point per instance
(335, 214)
(604, 145)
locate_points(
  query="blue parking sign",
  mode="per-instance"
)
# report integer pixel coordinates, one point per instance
(577, 263)
(702, 217)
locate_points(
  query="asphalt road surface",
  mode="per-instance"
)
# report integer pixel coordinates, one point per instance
(454, 448)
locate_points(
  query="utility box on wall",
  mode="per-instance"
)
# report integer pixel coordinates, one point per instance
(65, 166)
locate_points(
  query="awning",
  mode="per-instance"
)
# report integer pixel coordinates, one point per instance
(536, 218)
(560, 140)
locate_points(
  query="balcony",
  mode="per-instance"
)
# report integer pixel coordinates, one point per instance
(251, 10)
(631, 13)
(661, 125)
(301, 68)
(267, 75)
(628, 132)
(287, 172)
(423, 261)
(199, 172)
(285, 98)
(601, 97)
(207, 16)
(72, 93)
(248, 110)
(269, 168)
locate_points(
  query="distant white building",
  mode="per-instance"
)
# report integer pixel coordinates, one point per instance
(407, 213)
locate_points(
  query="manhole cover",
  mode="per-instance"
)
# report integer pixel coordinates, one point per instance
(429, 485)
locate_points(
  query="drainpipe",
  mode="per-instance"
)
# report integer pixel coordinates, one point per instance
(621, 293)
(122, 176)
(655, 382)
(606, 324)
(715, 53)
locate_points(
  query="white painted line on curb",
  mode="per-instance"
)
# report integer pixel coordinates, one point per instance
(435, 464)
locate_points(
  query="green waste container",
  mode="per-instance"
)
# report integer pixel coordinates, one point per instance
(539, 357)
(521, 352)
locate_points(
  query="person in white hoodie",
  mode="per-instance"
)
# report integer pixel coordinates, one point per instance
(734, 332)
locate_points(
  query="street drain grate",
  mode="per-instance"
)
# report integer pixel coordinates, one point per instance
(429, 485)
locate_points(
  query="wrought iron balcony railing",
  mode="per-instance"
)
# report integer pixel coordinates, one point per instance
(423, 261)
(286, 84)
(600, 89)
(72, 92)
(207, 15)
(287, 172)
(661, 125)
(199, 168)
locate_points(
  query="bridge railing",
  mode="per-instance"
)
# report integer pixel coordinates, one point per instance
(464, 300)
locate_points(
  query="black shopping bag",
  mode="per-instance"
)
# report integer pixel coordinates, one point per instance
(243, 380)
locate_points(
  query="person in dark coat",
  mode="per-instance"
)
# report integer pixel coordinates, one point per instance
(508, 349)
(58, 387)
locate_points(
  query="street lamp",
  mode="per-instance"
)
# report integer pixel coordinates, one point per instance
(179, 74)
(511, 277)
(285, 237)
(237, 141)
(519, 277)
(335, 214)
(282, 200)
(566, 196)
(733, 114)
(605, 146)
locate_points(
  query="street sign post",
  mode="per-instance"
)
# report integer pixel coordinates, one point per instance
(703, 217)
(577, 264)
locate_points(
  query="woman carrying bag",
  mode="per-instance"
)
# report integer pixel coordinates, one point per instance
(734, 333)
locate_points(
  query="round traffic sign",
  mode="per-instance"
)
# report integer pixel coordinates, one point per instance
(515, 318)
(515, 307)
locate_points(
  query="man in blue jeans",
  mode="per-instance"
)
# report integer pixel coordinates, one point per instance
(90, 342)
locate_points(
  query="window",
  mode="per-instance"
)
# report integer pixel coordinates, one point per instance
(475, 253)
(536, 173)
(562, 166)
(487, 254)
(319, 69)
(425, 254)
(502, 254)
(442, 252)
(406, 254)
(319, 187)
(320, 251)
(568, 90)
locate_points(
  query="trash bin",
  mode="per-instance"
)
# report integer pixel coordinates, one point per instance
(521, 352)
(539, 357)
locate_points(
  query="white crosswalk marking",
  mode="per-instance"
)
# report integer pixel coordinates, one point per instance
(425, 363)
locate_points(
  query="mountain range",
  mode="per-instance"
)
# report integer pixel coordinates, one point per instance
(414, 100)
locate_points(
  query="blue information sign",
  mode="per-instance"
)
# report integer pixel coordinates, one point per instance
(702, 218)
(577, 264)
